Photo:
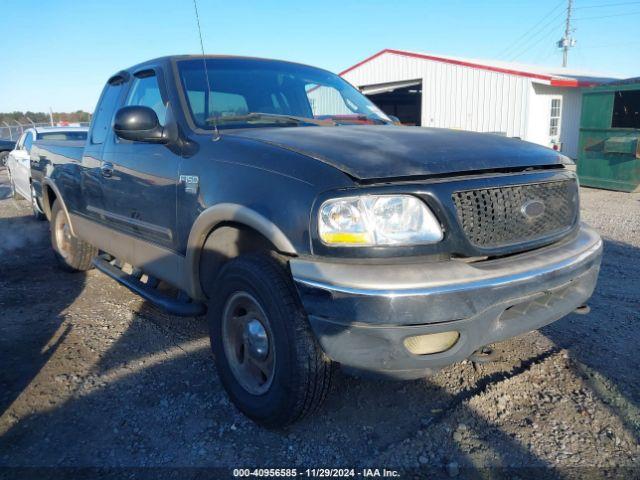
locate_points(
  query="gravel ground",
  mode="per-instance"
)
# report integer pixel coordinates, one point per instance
(91, 376)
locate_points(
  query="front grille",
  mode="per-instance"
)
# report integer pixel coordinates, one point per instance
(495, 217)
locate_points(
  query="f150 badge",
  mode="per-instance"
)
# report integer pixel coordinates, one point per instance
(190, 183)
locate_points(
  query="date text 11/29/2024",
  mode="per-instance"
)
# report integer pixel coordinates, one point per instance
(316, 472)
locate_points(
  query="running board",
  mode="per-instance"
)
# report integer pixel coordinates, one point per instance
(182, 306)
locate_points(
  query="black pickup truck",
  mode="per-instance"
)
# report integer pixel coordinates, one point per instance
(277, 200)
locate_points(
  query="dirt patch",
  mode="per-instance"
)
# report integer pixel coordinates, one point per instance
(91, 376)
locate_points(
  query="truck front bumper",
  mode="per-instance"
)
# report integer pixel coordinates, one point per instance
(362, 313)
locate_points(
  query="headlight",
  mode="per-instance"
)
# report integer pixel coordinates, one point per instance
(373, 220)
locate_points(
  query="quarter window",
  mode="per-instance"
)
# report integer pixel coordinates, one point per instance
(146, 92)
(554, 122)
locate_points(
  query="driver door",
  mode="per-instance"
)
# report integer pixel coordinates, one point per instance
(21, 165)
(139, 185)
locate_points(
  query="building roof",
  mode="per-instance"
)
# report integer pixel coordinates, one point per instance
(554, 76)
(625, 81)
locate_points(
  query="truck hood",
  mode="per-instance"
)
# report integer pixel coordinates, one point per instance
(368, 152)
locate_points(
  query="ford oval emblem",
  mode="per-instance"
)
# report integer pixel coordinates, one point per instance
(532, 209)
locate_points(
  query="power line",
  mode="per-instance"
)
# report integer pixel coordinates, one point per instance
(536, 39)
(608, 16)
(606, 5)
(610, 45)
(504, 52)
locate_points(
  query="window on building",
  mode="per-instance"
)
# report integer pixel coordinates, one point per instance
(626, 109)
(554, 121)
(326, 100)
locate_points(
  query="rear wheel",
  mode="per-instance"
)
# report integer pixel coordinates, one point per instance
(38, 213)
(3, 158)
(266, 355)
(72, 253)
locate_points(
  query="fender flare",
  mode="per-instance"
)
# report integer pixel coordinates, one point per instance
(47, 182)
(216, 215)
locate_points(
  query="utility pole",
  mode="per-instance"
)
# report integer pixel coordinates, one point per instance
(566, 42)
(51, 116)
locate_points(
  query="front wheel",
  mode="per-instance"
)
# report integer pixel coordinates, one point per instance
(72, 253)
(266, 355)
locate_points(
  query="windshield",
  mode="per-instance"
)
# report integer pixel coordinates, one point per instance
(68, 135)
(253, 93)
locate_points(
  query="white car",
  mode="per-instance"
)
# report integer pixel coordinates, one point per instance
(19, 160)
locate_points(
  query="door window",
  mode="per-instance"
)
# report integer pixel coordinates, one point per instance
(554, 121)
(145, 91)
(28, 141)
(104, 116)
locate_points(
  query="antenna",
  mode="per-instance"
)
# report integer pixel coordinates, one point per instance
(204, 64)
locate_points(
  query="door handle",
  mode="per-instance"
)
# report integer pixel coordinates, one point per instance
(106, 169)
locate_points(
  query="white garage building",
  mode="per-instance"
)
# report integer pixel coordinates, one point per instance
(535, 103)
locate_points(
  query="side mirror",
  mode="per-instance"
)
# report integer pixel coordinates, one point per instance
(140, 124)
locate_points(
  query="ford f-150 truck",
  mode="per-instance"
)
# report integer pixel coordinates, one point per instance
(279, 201)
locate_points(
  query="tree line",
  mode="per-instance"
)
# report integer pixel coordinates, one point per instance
(43, 117)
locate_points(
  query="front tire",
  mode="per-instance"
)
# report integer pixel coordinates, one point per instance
(266, 355)
(72, 253)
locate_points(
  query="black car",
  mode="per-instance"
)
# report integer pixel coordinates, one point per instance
(280, 202)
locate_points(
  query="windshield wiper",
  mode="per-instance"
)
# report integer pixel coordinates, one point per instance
(271, 116)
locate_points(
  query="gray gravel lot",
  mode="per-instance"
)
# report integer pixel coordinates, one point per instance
(91, 376)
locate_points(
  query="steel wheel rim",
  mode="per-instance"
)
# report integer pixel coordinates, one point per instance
(62, 233)
(248, 343)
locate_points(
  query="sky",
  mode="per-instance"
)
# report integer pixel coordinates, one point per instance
(59, 53)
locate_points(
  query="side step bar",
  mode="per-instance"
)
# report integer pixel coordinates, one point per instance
(181, 306)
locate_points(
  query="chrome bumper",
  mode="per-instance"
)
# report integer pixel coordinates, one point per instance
(362, 313)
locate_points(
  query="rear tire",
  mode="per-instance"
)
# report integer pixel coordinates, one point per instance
(254, 298)
(72, 254)
(3, 158)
